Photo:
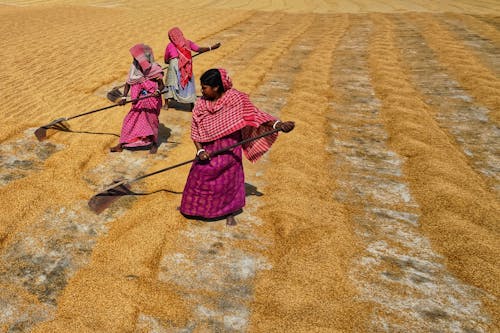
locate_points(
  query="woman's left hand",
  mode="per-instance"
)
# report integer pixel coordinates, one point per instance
(203, 156)
(285, 126)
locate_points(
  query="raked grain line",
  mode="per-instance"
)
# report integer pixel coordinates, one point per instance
(400, 273)
(57, 82)
(40, 259)
(466, 7)
(213, 22)
(25, 155)
(74, 61)
(239, 40)
(459, 211)
(19, 158)
(457, 112)
(481, 83)
(38, 262)
(234, 39)
(232, 313)
(486, 50)
(216, 244)
(430, 153)
(306, 288)
(262, 51)
(107, 69)
(491, 20)
(479, 26)
(220, 272)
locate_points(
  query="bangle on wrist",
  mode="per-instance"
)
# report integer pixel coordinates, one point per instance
(124, 97)
(210, 48)
(200, 151)
(276, 123)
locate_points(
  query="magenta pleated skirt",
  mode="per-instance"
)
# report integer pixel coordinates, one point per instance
(216, 188)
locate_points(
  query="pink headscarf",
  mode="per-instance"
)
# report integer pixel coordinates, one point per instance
(212, 120)
(177, 38)
(182, 45)
(227, 83)
(143, 54)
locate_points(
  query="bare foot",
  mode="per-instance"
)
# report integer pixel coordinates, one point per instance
(116, 149)
(230, 220)
(153, 149)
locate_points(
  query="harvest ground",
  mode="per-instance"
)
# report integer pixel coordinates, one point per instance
(379, 212)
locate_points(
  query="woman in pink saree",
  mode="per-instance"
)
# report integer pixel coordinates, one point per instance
(223, 116)
(140, 126)
(179, 80)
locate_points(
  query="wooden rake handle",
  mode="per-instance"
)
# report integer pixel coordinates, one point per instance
(164, 67)
(110, 106)
(215, 153)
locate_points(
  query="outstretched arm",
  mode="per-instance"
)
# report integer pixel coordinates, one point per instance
(283, 126)
(209, 48)
(125, 93)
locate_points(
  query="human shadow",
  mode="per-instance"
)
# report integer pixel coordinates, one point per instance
(252, 190)
(65, 128)
(185, 107)
(214, 219)
(249, 190)
(173, 104)
(164, 133)
(103, 200)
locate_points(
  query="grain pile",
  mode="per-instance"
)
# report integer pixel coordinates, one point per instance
(379, 212)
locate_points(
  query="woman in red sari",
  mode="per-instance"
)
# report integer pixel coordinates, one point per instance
(140, 126)
(223, 116)
(180, 79)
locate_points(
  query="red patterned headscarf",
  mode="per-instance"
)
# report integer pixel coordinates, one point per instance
(232, 112)
(182, 45)
(143, 58)
(227, 83)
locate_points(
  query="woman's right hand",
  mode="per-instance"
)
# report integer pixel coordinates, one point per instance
(285, 126)
(203, 156)
(122, 101)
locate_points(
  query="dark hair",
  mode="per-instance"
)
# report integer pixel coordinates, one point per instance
(213, 79)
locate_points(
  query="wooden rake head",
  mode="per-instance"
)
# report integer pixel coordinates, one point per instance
(99, 202)
(114, 94)
(58, 124)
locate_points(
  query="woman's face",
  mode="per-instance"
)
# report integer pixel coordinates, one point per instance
(136, 64)
(210, 92)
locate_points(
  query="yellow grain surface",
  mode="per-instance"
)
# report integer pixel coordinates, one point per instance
(60, 57)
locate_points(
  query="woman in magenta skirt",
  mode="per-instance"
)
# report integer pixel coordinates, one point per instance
(223, 116)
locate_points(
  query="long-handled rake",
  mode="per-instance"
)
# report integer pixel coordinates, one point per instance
(114, 94)
(103, 199)
(59, 124)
